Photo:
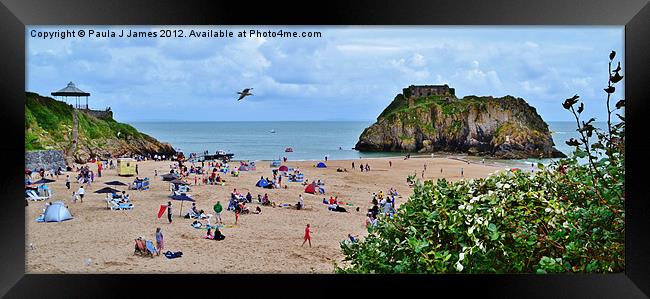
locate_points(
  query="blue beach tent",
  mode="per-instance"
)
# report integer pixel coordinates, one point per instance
(56, 212)
(321, 165)
(262, 183)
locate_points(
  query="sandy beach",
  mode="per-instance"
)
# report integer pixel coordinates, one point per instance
(265, 243)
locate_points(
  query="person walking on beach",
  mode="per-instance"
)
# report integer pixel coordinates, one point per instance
(99, 169)
(67, 181)
(81, 193)
(461, 172)
(136, 169)
(217, 211)
(361, 166)
(352, 164)
(169, 211)
(307, 236)
(390, 163)
(425, 167)
(160, 243)
(236, 216)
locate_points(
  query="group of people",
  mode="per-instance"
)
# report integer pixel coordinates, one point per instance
(333, 204)
(362, 167)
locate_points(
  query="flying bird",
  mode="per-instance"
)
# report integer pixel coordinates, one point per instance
(244, 93)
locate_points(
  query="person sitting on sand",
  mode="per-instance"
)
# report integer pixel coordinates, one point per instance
(249, 197)
(265, 200)
(301, 202)
(259, 198)
(218, 236)
(258, 210)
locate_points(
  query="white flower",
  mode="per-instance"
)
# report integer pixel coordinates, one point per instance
(548, 210)
(506, 186)
(459, 267)
(461, 256)
(474, 199)
(470, 230)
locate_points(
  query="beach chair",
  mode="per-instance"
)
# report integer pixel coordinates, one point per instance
(140, 247)
(35, 197)
(151, 249)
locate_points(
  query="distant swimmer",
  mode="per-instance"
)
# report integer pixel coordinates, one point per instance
(244, 93)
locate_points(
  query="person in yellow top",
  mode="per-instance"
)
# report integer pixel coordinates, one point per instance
(381, 195)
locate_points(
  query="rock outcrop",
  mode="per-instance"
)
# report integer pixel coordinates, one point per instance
(506, 127)
(54, 125)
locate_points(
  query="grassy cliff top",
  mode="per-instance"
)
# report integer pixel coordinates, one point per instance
(48, 124)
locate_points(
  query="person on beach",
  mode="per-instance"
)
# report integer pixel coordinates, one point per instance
(236, 216)
(67, 181)
(390, 163)
(461, 172)
(352, 165)
(301, 202)
(136, 169)
(361, 167)
(249, 197)
(259, 198)
(160, 243)
(81, 193)
(169, 211)
(307, 236)
(425, 167)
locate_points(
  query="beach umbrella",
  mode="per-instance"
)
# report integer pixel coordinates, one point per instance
(178, 182)
(44, 181)
(116, 183)
(107, 190)
(183, 197)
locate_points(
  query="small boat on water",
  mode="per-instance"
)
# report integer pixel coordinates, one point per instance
(273, 131)
(288, 149)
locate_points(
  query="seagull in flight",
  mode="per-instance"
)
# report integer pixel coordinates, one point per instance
(244, 93)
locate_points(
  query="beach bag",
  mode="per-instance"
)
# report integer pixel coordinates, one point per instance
(173, 255)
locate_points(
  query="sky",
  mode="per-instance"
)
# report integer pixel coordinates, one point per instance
(349, 73)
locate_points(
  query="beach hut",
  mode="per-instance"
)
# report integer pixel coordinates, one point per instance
(126, 167)
(310, 189)
(56, 212)
(321, 165)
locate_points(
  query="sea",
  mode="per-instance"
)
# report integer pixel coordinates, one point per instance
(267, 140)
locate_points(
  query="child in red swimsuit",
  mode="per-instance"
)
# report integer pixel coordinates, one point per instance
(307, 236)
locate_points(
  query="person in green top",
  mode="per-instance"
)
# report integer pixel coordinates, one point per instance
(217, 211)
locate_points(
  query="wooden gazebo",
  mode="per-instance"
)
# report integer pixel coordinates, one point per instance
(72, 91)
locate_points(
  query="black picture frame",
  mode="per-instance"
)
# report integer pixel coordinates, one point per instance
(16, 14)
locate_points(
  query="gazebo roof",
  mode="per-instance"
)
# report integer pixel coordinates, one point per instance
(71, 90)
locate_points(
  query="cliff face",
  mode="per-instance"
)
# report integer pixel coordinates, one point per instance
(51, 124)
(506, 127)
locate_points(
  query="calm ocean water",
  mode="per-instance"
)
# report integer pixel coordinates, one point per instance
(310, 140)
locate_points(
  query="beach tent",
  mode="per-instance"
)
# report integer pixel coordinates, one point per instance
(262, 183)
(275, 163)
(310, 189)
(56, 212)
(321, 165)
(283, 168)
